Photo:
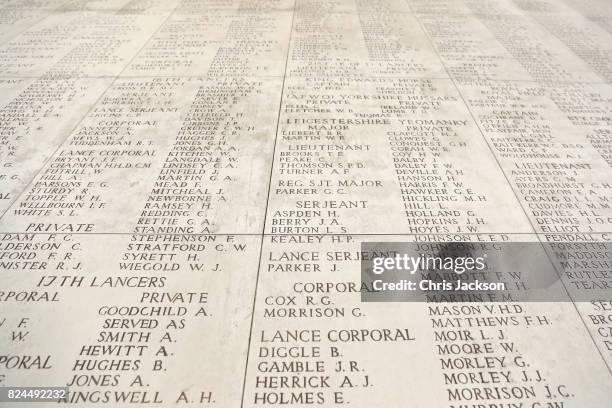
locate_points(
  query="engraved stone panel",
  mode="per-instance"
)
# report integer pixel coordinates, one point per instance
(306, 203)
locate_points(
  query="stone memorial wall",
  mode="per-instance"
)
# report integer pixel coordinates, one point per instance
(186, 185)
